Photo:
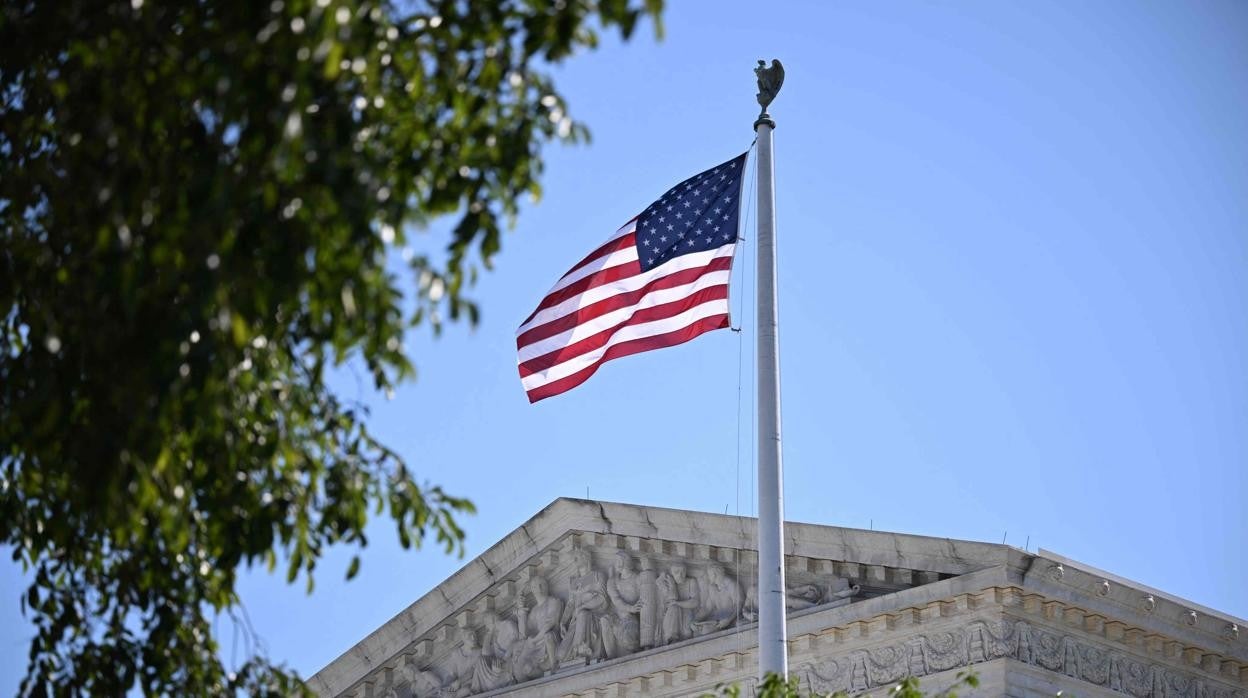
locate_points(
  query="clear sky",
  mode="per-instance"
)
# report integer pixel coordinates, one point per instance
(1013, 244)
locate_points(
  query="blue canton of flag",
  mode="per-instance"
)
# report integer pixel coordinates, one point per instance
(696, 215)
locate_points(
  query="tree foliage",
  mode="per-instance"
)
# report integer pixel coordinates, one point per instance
(201, 208)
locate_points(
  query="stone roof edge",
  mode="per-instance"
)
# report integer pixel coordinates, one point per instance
(565, 515)
(1110, 576)
(1062, 579)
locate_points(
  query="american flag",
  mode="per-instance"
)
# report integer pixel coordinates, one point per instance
(659, 281)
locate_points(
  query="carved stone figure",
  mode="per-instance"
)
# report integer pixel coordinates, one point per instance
(587, 600)
(621, 629)
(424, 684)
(472, 670)
(802, 596)
(537, 651)
(721, 602)
(749, 608)
(500, 642)
(679, 598)
(769, 82)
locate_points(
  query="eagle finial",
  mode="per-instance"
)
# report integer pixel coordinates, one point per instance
(769, 82)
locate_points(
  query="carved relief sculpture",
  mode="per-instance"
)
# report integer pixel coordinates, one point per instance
(981, 641)
(679, 598)
(721, 602)
(537, 651)
(500, 642)
(472, 670)
(749, 607)
(621, 628)
(587, 600)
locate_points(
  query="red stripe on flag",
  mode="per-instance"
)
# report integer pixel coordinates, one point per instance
(622, 300)
(598, 278)
(608, 247)
(659, 341)
(600, 339)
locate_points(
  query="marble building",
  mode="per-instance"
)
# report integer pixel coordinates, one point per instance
(598, 599)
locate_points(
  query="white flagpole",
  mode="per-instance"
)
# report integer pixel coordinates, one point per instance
(772, 636)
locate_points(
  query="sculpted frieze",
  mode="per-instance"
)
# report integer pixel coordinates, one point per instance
(596, 605)
(982, 641)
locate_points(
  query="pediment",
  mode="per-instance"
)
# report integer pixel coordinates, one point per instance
(587, 582)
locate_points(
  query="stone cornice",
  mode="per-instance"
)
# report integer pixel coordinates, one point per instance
(1100, 592)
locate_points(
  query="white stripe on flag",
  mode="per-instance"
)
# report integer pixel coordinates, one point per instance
(615, 317)
(625, 285)
(646, 329)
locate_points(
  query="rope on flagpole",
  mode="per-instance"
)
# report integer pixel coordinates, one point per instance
(749, 200)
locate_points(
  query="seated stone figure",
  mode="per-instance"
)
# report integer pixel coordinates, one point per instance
(621, 629)
(587, 600)
(500, 642)
(721, 602)
(472, 669)
(536, 652)
(678, 600)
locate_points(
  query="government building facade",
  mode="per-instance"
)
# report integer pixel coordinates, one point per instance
(595, 599)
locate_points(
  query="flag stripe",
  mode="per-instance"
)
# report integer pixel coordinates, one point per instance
(626, 252)
(587, 312)
(598, 334)
(621, 240)
(629, 270)
(611, 286)
(670, 339)
(622, 335)
(619, 249)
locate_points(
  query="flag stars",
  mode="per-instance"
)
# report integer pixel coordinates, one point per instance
(679, 214)
(670, 227)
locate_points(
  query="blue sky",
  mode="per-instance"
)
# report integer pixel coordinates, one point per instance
(1013, 245)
